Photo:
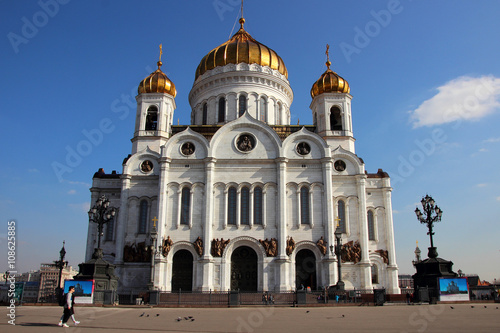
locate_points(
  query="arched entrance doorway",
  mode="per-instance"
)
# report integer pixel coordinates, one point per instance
(182, 271)
(244, 269)
(305, 270)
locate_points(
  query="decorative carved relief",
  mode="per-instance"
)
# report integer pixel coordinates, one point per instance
(218, 246)
(137, 253)
(321, 244)
(290, 246)
(245, 142)
(188, 148)
(351, 252)
(147, 166)
(166, 246)
(270, 246)
(198, 246)
(385, 255)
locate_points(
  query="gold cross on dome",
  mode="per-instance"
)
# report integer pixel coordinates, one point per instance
(328, 63)
(161, 52)
(154, 221)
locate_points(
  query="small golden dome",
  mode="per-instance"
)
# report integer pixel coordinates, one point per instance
(157, 82)
(241, 48)
(329, 81)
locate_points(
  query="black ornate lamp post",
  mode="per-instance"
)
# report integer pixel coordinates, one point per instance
(432, 214)
(338, 253)
(153, 250)
(101, 214)
(60, 264)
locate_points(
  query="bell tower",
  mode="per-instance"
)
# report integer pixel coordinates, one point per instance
(331, 108)
(155, 111)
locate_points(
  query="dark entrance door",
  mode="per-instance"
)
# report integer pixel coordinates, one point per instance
(244, 269)
(305, 270)
(182, 271)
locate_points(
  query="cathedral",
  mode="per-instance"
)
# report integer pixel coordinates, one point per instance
(240, 199)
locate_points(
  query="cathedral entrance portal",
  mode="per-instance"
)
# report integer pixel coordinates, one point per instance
(182, 271)
(244, 269)
(305, 270)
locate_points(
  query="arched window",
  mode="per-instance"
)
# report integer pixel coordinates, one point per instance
(152, 118)
(335, 119)
(257, 205)
(110, 225)
(185, 205)
(245, 206)
(263, 109)
(231, 206)
(341, 215)
(242, 105)
(143, 217)
(371, 226)
(374, 274)
(205, 114)
(222, 109)
(315, 120)
(304, 205)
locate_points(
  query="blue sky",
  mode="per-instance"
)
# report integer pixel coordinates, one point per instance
(424, 76)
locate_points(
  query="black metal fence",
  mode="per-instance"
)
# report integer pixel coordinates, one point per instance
(238, 298)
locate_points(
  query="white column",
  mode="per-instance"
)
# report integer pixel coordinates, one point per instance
(282, 261)
(207, 260)
(364, 264)
(122, 218)
(392, 268)
(329, 221)
(160, 261)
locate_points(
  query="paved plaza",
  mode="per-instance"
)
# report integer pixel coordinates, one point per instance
(389, 318)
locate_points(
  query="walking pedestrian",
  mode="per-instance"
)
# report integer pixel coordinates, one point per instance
(69, 312)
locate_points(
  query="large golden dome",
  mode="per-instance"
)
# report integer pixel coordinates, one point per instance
(241, 48)
(157, 82)
(328, 82)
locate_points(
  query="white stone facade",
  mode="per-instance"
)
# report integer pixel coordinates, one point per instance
(290, 182)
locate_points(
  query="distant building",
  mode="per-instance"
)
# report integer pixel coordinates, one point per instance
(49, 275)
(31, 276)
(405, 281)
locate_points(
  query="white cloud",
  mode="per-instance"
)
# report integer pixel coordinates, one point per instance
(482, 185)
(463, 98)
(492, 140)
(71, 192)
(395, 211)
(483, 150)
(33, 171)
(498, 198)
